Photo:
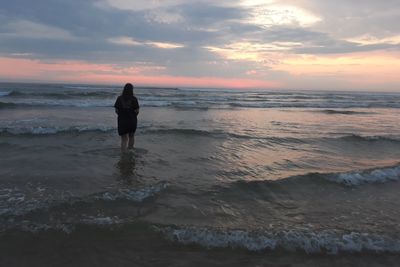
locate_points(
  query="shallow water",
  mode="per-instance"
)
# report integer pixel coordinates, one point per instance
(314, 172)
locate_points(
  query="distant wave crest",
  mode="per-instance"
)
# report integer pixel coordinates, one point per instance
(5, 93)
(39, 130)
(63, 94)
(343, 112)
(4, 105)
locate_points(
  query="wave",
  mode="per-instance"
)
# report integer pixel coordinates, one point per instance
(106, 99)
(34, 103)
(43, 130)
(39, 130)
(222, 134)
(7, 105)
(344, 112)
(355, 178)
(329, 241)
(89, 96)
(14, 202)
(225, 134)
(5, 93)
(313, 105)
(88, 87)
(85, 87)
(348, 179)
(138, 195)
(360, 138)
(100, 102)
(270, 139)
(182, 131)
(196, 132)
(64, 95)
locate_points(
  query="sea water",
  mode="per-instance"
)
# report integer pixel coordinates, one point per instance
(254, 170)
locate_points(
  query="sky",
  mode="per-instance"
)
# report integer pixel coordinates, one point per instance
(302, 44)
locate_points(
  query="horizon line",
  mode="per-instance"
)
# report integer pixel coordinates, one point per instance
(149, 86)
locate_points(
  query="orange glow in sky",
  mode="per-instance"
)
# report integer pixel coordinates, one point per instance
(81, 72)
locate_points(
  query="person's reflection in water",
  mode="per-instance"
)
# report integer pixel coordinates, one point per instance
(126, 168)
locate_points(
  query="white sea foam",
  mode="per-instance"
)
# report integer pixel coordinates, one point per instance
(138, 195)
(34, 227)
(86, 103)
(91, 220)
(5, 93)
(15, 202)
(39, 130)
(382, 175)
(331, 242)
(191, 99)
(82, 87)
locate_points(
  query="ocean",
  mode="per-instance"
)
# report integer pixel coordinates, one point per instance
(217, 177)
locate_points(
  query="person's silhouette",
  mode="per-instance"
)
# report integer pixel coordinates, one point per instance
(127, 108)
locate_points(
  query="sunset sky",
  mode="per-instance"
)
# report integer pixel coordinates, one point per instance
(302, 44)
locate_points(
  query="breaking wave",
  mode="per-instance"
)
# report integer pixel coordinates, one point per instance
(35, 103)
(131, 195)
(310, 241)
(380, 175)
(314, 105)
(5, 93)
(14, 202)
(351, 179)
(39, 130)
(63, 94)
(187, 102)
(328, 241)
(344, 112)
(358, 138)
(216, 133)
(7, 105)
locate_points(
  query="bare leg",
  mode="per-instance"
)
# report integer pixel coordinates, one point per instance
(124, 142)
(131, 141)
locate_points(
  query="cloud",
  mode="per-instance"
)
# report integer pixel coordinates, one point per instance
(140, 5)
(29, 29)
(368, 39)
(276, 15)
(344, 19)
(124, 40)
(171, 24)
(205, 38)
(342, 47)
(165, 45)
(81, 72)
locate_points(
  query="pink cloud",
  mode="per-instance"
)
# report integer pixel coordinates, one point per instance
(83, 72)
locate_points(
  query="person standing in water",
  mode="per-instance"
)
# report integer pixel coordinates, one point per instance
(127, 108)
